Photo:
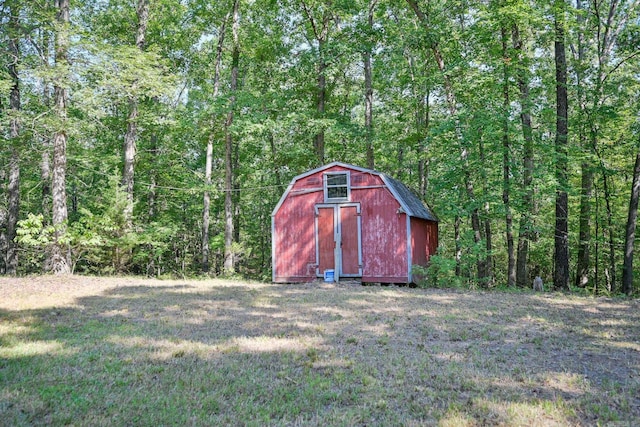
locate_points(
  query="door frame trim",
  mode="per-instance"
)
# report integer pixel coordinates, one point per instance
(337, 236)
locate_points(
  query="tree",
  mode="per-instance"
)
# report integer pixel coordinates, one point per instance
(206, 212)
(13, 187)
(506, 161)
(229, 261)
(368, 89)
(526, 234)
(630, 234)
(561, 258)
(131, 135)
(320, 31)
(59, 261)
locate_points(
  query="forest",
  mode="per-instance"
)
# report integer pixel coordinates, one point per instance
(155, 137)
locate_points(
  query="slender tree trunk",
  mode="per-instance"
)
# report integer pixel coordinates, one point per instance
(630, 231)
(422, 115)
(584, 244)
(611, 279)
(368, 91)
(229, 261)
(131, 136)
(129, 149)
(596, 267)
(487, 220)
(45, 178)
(400, 171)
(583, 263)
(321, 35)
(153, 179)
(456, 236)
(236, 197)
(11, 255)
(526, 234)
(59, 261)
(506, 165)
(3, 215)
(423, 163)
(45, 158)
(561, 257)
(206, 210)
(321, 97)
(207, 205)
(274, 155)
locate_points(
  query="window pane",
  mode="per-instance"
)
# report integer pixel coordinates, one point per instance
(337, 179)
(337, 192)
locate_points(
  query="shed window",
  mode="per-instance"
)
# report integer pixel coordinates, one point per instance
(336, 187)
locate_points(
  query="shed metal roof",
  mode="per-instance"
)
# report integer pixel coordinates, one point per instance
(409, 201)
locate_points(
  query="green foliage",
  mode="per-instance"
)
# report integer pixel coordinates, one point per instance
(34, 237)
(415, 136)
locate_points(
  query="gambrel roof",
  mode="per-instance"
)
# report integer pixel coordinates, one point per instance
(409, 201)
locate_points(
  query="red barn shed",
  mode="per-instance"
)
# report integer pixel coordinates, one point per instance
(357, 222)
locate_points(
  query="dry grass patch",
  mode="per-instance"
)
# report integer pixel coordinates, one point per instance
(97, 351)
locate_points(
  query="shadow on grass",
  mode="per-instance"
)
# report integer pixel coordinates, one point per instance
(205, 354)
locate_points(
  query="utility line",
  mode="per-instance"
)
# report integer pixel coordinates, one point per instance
(189, 190)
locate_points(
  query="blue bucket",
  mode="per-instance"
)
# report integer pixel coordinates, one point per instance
(329, 275)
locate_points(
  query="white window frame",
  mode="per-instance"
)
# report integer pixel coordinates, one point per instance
(326, 187)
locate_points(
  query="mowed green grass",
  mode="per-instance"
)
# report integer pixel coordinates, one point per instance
(124, 351)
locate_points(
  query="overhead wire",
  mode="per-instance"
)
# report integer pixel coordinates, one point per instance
(199, 188)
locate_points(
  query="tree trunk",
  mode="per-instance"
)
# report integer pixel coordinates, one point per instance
(584, 243)
(321, 95)
(13, 211)
(456, 237)
(488, 238)
(131, 136)
(506, 165)
(368, 91)
(3, 215)
(153, 178)
(45, 178)
(422, 119)
(423, 163)
(45, 158)
(206, 210)
(59, 261)
(321, 35)
(207, 205)
(630, 231)
(229, 261)
(611, 278)
(129, 149)
(583, 261)
(526, 232)
(561, 237)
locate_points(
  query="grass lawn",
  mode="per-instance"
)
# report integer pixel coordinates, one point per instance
(126, 351)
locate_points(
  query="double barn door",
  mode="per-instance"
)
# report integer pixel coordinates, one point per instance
(338, 239)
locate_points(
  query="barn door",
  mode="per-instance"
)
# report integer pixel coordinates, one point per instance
(338, 239)
(325, 238)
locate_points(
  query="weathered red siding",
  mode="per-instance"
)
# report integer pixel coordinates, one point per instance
(424, 242)
(349, 221)
(384, 234)
(294, 243)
